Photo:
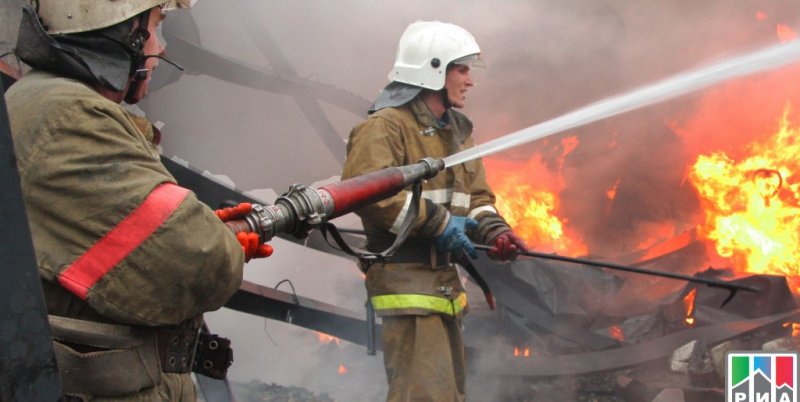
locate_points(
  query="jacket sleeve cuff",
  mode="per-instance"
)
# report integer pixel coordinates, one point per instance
(489, 227)
(435, 219)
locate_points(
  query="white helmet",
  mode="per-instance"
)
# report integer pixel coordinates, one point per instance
(71, 16)
(425, 50)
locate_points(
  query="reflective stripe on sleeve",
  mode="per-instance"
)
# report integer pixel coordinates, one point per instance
(427, 302)
(118, 243)
(440, 196)
(460, 200)
(485, 208)
(447, 195)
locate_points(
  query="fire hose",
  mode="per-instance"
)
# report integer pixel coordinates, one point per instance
(302, 208)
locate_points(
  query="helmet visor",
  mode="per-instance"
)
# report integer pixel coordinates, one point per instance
(473, 61)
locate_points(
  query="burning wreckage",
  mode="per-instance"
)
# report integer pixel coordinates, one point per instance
(568, 329)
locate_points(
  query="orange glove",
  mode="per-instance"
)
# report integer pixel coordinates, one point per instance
(251, 243)
(232, 213)
(506, 245)
(252, 246)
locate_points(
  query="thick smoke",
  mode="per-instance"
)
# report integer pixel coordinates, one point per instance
(544, 58)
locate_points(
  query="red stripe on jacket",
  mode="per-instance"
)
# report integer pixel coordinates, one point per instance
(117, 244)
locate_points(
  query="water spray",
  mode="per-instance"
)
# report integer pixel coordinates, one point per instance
(748, 64)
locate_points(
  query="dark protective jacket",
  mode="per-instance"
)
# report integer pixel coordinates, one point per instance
(399, 136)
(116, 240)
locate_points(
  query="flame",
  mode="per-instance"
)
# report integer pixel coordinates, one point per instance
(688, 303)
(752, 205)
(612, 192)
(522, 352)
(795, 328)
(325, 338)
(569, 144)
(616, 332)
(785, 33)
(761, 16)
(613, 142)
(658, 231)
(527, 197)
(342, 369)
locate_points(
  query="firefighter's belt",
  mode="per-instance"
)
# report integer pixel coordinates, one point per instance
(176, 349)
(421, 253)
(104, 359)
(416, 251)
(213, 357)
(113, 360)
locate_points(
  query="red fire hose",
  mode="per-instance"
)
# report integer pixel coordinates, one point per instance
(302, 207)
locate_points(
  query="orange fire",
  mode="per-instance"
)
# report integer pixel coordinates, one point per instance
(616, 332)
(527, 197)
(785, 33)
(688, 303)
(522, 352)
(752, 203)
(612, 192)
(795, 328)
(325, 338)
(342, 369)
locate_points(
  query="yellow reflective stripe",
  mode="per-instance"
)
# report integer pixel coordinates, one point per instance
(427, 302)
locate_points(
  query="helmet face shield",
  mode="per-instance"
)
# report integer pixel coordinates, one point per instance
(472, 61)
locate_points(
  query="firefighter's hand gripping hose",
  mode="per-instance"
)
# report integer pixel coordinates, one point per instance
(302, 208)
(250, 241)
(506, 247)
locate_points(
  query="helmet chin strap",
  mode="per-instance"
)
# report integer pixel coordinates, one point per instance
(136, 42)
(140, 76)
(139, 71)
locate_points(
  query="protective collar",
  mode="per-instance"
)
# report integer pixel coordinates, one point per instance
(97, 57)
(395, 94)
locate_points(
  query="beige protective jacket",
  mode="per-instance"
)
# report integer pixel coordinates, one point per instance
(116, 240)
(399, 136)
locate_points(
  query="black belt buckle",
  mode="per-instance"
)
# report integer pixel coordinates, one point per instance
(213, 357)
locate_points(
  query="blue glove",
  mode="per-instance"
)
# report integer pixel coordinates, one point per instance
(454, 237)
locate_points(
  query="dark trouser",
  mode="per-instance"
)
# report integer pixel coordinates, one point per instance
(424, 358)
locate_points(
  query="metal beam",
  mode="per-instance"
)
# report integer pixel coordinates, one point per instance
(271, 303)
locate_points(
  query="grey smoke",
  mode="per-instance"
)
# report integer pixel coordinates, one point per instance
(543, 58)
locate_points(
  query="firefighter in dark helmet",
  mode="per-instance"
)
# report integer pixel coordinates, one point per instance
(129, 261)
(417, 292)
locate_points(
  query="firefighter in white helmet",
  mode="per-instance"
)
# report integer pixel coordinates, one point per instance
(417, 292)
(129, 261)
